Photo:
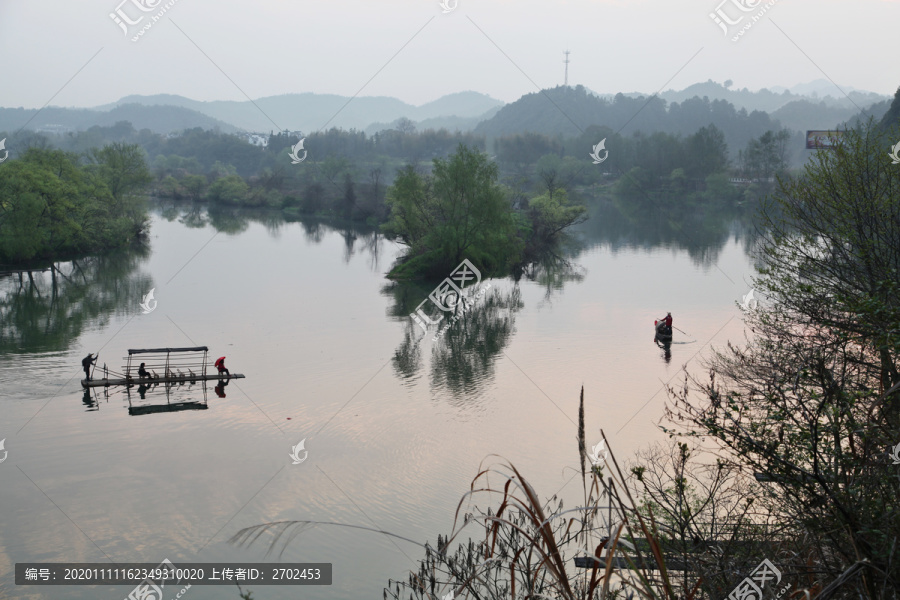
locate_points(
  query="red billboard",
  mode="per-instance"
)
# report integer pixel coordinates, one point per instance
(817, 139)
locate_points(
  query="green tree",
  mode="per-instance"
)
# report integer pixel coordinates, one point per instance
(170, 188)
(230, 189)
(707, 153)
(550, 215)
(124, 169)
(458, 212)
(51, 206)
(767, 156)
(194, 186)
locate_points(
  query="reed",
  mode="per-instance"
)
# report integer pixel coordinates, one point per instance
(505, 543)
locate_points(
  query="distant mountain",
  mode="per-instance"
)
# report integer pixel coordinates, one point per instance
(453, 123)
(818, 88)
(310, 112)
(770, 100)
(568, 112)
(802, 115)
(159, 119)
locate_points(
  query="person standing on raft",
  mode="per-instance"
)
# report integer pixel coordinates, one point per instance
(668, 320)
(86, 363)
(220, 365)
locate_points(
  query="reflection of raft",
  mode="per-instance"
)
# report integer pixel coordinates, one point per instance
(160, 379)
(164, 368)
(663, 333)
(159, 408)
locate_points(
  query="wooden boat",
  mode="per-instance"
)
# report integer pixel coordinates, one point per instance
(162, 359)
(663, 333)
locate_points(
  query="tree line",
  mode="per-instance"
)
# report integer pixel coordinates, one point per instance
(55, 203)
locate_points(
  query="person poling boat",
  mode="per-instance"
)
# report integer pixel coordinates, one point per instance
(86, 363)
(664, 329)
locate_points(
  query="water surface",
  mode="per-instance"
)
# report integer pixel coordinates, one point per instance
(395, 424)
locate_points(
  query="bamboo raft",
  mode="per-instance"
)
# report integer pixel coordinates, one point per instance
(161, 358)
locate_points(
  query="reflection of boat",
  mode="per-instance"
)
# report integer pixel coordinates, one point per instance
(148, 409)
(161, 359)
(663, 333)
(169, 397)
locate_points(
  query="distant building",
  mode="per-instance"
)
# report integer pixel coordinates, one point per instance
(53, 128)
(257, 139)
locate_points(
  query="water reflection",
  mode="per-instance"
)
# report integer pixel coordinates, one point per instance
(220, 387)
(552, 271)
(464, 356)
(665, 346)
(166, 397)
(46, 310)
(358, 237)
(90, 400)
(702, 230)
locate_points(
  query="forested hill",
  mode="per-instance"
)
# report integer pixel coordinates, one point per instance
(156, 118)
(820, 92)
(568, 111)
(891, 118)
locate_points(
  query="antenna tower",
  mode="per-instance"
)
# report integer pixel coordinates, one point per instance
(567, 67)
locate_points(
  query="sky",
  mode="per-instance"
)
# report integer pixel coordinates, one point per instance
(72, 52)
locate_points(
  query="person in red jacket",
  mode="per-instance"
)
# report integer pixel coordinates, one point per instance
(669, 320)
(220, 365)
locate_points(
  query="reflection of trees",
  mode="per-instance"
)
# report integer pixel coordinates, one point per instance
(701, 229)
(463, 358)
(234, 220)
(43, 311)
(553, 271)
(229, 221)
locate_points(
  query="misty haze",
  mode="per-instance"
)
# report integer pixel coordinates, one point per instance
(584, 300)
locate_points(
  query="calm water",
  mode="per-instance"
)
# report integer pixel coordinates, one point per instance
(395, 425)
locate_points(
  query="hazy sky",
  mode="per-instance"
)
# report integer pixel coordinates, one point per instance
(224, 49)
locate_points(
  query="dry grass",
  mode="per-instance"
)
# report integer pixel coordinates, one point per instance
(508, 544)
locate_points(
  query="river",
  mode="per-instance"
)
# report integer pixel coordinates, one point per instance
(395, 425)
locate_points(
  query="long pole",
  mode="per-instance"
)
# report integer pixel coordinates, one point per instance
(684, 332)
(94, 366)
